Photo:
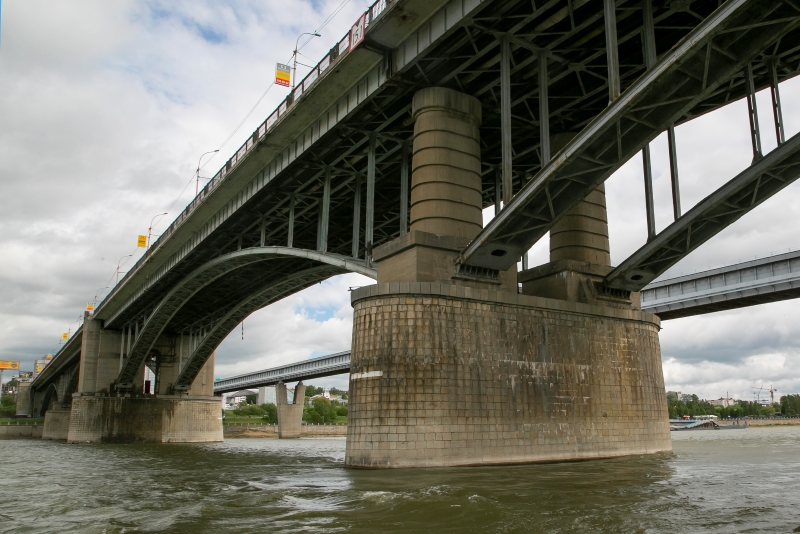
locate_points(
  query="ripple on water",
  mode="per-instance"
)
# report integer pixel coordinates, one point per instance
(716, 481)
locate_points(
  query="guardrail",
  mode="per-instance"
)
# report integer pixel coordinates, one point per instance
(347, 44)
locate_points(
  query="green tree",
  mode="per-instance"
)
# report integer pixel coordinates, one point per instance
(312, 390)
(270, 413)
(310, 415)
(8, 406)
(790, 405)
(249, 410)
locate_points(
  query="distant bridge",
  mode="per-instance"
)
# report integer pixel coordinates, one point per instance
(736, 286)
(334, 364)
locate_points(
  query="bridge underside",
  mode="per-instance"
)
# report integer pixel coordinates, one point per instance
(601, 79)
(571, 36)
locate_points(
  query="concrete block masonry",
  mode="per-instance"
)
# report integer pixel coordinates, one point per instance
(469, 380)
(152, 419)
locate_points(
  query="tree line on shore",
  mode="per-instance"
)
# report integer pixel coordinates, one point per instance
(789, 406)
(321, 410)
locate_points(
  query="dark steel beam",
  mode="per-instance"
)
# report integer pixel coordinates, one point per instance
(752, 112)
(679, 81)
(612, 52)
(777, 110)
(356, 217)
(544, 110)
(729, 203)
(370, 222)
(673, 172)
(505, 117)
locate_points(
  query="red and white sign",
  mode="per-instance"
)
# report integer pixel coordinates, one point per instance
(357, 32)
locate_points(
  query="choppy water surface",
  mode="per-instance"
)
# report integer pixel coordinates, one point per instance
(716, 481)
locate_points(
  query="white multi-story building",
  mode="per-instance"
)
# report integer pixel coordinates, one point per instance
(725, 402)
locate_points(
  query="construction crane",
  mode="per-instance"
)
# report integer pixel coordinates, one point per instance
(771, 390)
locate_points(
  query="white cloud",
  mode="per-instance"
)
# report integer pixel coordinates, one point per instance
(106, 107)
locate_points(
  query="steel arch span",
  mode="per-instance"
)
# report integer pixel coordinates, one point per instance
(158, 321)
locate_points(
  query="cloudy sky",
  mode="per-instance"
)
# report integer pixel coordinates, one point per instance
(105, 108)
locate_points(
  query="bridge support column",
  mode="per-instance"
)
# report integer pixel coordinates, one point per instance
(453, 367)
(56, 423)
(290, 416)
(101, 415)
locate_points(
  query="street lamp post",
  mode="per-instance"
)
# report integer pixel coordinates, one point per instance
(197, 185)
(150, 229)
(94, 301)
(118, 265)
(294, 56)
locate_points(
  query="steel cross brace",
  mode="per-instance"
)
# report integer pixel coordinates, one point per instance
(713, 214)
(272, 292)
(684, 76)
(158, 321)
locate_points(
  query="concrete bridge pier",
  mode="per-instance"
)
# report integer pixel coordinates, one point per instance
(99, 414)
(452, 366)
(290, 416)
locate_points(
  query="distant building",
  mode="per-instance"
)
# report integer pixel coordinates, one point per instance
(39, 365)
(725, 402)
(266, 395)
(238, 397)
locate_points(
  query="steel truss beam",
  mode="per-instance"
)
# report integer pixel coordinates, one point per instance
(729, 203)
(709, 56)
(272, 292)
(158, 321)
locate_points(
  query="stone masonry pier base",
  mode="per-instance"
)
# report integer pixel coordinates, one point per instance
(150, 419)
(446, 375)
(56, 423)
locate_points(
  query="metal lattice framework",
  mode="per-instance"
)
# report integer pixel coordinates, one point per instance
(273, 292)
(224, 266)
(542, 70)
(700, 66)
(713, 214)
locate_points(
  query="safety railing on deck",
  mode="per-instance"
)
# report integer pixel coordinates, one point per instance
(350, 41)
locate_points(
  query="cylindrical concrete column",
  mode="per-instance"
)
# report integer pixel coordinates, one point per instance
(446, 164)
(582, 234)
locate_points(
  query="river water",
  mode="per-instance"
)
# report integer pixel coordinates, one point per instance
(715, 481)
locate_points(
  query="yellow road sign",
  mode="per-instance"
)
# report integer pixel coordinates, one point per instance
(283, 75)
(141, 242)
(65, 336)
(7, 364)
